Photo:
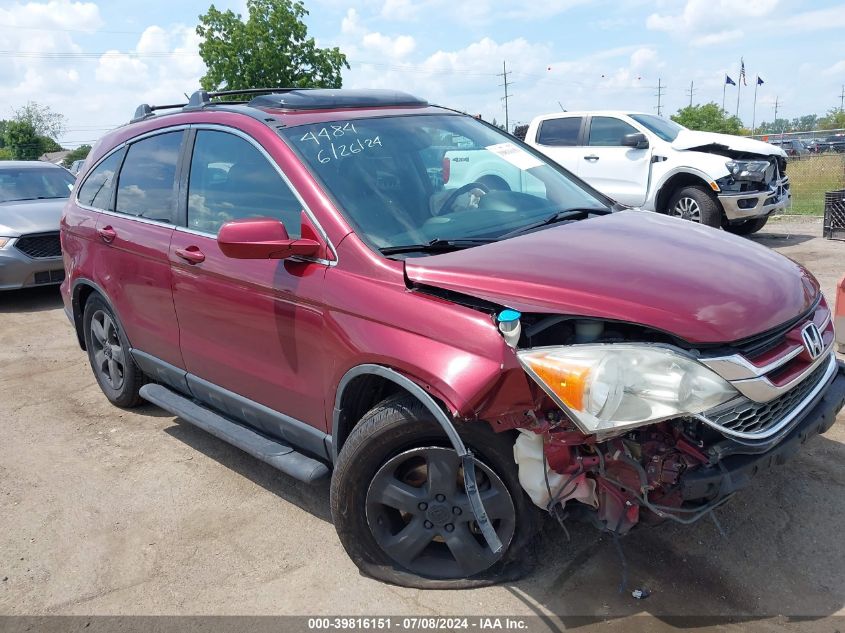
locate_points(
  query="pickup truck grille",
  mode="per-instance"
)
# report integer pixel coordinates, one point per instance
(751, 418)
(40, 246)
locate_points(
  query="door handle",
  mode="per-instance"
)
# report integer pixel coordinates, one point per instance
(191, 254)
(591, 158)
(107, 234)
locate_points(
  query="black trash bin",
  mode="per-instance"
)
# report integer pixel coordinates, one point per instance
(834, 215)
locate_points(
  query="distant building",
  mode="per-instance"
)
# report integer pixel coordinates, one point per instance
(54, 157)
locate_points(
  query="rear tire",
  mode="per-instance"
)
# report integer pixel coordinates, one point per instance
(697, 204)
(398, 455)
(748, 227)
(119, 377)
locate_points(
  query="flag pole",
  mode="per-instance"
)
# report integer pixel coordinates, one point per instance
(738, 91)
(724, 88)
(754, 110)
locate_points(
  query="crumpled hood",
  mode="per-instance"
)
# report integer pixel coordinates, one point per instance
(30, 216)
(691, 139)
(702, 285)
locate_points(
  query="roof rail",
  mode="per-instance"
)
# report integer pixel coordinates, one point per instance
(145, 110)
(202, 98)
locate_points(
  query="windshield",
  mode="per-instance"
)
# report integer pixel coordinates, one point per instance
(32, 183)
(664, 128)
(434, 178)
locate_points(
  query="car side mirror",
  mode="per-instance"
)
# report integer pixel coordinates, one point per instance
(637, 140)
(261, 238)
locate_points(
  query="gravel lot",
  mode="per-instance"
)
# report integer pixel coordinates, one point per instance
(104, 511)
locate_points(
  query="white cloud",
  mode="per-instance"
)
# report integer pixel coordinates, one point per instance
(709, 22)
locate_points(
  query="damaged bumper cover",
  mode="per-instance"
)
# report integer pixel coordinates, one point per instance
(755, 204)
(735, 472)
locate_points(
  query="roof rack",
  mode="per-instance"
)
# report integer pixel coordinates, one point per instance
(291, 99)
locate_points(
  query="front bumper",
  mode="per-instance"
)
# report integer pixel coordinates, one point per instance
(755, 204)
(734, 472)
(18, 270)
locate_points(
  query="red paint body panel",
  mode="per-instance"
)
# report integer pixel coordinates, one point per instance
(701, 285)
(283, 333)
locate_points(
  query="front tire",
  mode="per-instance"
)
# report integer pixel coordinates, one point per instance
(119, 377)
(697, 204)
(401, 512)
(748, 227)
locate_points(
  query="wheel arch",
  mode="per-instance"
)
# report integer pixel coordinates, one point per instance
(364, 386)
(678, 180)
(80, 293)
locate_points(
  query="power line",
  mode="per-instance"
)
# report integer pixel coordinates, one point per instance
(661, 90)
(504, 76)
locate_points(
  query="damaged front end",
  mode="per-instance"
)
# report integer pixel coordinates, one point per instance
(627, 432)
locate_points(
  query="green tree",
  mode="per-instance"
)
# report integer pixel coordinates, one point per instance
(3, 123)
(77, 154)
(42, 118)
(50, 145)
(707, 117)
(23, 140)
(6, 153)
(805, 123)
(270, 49)
(833, 120)
(775, 127)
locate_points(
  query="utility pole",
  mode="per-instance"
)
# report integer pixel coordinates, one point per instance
(504, 75)
(777, 105)
(691, 91)
(842, 99)
(660, 90)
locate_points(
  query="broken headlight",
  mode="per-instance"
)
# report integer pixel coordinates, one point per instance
(612, 387)
(753, 170)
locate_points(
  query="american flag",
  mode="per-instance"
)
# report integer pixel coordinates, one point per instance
(742, 71)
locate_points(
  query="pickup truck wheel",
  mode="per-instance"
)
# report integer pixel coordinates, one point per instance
(119, 377)
(401, 511)
(748, 227)
(696, 204)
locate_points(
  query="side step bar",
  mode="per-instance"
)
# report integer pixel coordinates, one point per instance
(277, 454)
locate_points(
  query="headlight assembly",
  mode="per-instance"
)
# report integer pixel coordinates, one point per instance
(4, 241)
(609, 388)
(753, 170)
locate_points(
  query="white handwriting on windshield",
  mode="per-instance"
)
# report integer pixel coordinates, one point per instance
(329, 133)
(342, 150)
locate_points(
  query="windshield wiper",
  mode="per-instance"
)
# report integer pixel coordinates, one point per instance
(437, 245)
(558, 216)
(34, 198)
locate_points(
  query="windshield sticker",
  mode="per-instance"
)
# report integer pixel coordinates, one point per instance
(516, 156)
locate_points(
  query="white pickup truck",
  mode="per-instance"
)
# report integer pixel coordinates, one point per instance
(646, 161)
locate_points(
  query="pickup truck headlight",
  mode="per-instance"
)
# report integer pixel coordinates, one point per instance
(613, 387)
(753, 170)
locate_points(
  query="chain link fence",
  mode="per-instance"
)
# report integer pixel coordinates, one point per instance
(816, 166)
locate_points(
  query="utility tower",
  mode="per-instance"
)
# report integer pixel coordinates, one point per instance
(504, 75)
(661, 89)
(691, 91)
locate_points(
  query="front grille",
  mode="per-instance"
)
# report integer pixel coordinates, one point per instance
(758, 417)
(50, 276)
(40, 246)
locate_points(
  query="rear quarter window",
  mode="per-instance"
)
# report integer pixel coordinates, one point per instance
(147, 183)
(559, 132)
(97, 189)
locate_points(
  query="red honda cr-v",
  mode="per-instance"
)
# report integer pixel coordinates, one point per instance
(305, 277)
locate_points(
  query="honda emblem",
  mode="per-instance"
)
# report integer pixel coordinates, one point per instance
(812, 340)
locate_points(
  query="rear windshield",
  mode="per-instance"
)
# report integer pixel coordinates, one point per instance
(418, 178)
(33, 183)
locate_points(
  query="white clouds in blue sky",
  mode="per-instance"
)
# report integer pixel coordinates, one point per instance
(96, 60)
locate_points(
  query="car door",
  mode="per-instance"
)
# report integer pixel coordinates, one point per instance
(558, 139)
(132, 264)
(616, 170)
(251, 330)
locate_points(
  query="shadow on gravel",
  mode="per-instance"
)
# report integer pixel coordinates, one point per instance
(30, 300)
(773, 240)
(313, 498)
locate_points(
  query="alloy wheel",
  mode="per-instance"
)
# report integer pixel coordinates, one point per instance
(109, 355)
(420, 515)
(686, 208)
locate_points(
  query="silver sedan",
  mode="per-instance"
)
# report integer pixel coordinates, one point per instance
(32, 195)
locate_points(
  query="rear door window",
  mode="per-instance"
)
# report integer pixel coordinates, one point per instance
(607, 131)
(147, 183)
(231, 179)
(561, 132)
(97, 189)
